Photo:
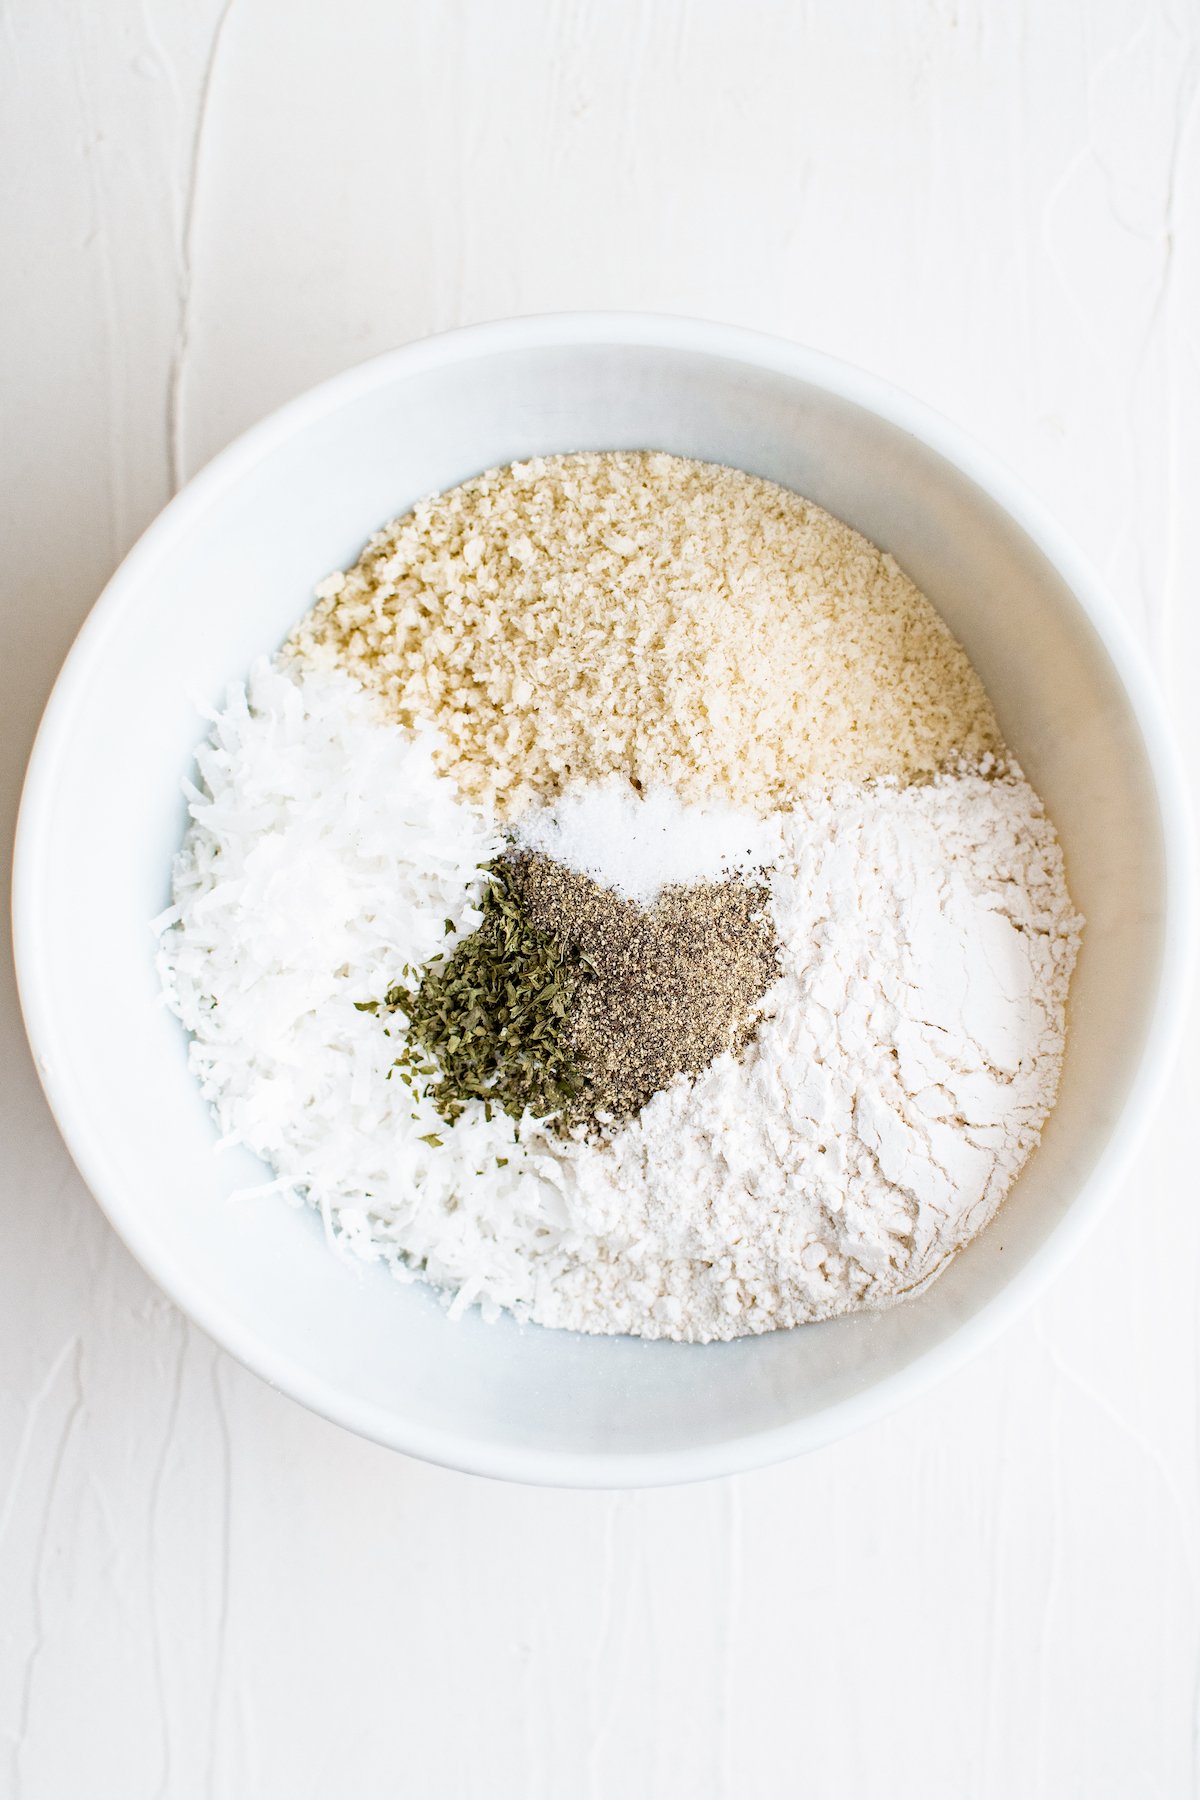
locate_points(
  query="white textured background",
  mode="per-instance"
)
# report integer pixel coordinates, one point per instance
(204, 1591)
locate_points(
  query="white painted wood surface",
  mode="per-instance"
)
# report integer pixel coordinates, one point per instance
(207, 207)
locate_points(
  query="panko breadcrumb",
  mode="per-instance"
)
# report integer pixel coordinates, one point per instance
(677, 622)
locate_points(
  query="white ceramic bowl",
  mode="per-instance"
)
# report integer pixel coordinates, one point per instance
(220, 578)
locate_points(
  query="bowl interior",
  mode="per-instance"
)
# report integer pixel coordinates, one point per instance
(219, 581)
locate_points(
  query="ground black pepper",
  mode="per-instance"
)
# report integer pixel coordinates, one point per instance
(673, 984)
(571, 1002)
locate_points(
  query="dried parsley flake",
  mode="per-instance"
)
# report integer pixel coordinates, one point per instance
(491, 1023)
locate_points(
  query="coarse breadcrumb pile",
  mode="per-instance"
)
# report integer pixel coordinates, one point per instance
(574, 617)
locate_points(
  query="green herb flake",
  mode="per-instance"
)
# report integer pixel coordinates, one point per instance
(491, 1023)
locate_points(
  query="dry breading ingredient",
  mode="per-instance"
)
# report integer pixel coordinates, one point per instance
(575, 617)
(907, 1059)
(325, 853)
(673, 985)
(908, 1054)
(641, 841)
(493, 1022)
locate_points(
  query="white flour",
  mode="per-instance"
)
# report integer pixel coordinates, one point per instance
(911, 1055)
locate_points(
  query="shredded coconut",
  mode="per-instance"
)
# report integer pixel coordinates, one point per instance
(325, 854)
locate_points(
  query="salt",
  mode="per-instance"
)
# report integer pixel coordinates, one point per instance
(638, 843)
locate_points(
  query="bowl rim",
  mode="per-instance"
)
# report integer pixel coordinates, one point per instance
(610, 1469)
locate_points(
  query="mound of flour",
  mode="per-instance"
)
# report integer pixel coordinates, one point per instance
(910, 1056)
